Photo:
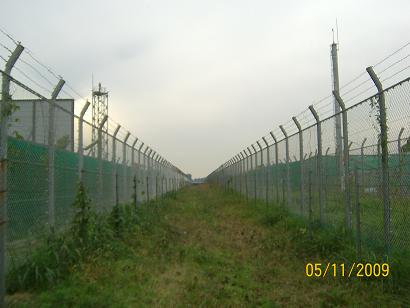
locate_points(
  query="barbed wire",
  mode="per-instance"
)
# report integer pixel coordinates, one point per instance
(56, 76)
(392, 54)
(394, 63)
(302, 116)
(9, 36)
(36, 71)
(391, 76)
(33, 81)
(6, 48)
(31, 55)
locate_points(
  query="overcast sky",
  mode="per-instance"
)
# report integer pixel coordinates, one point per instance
(199, 80)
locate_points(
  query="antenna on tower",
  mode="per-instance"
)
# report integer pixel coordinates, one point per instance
(337, 35)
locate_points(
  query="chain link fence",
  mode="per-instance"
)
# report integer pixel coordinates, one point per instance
(359, 183)
(47, 149)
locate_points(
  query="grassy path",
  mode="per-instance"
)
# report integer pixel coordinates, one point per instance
(204, 248)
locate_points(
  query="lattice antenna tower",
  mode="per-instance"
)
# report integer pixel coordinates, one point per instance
(99, 111)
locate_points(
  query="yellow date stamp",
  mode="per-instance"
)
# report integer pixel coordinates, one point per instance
(365, 270)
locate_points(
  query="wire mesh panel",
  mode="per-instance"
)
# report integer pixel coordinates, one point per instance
(333, 177)
(397, 105)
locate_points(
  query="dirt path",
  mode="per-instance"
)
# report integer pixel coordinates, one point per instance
(206, 248)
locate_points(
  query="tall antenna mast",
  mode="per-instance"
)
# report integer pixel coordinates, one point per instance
(338, 122)
(99, 111)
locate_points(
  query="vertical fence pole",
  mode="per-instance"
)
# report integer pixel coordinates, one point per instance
(232, 169)
(133, 153)
(114, 163)
(246, 175)
(267, 170)
(357, 209)
(153, 173)
(81, 141)
(236, 171)
(319, 162)
(399, 143)
(242, 172)
(51, 157)
(239, 172)
(148, 174)
(117, 201)
(4, 116)
(251, 160)
(156, 175)
(385, 158)
(288, 187)
(276, 166)
(362, 160)
(345, 173)
(301, 159)
(260, 169)
(255, 171)
(134, 169)
(139, 169)
(100, 162)
(233, 173)
(237, 168)
(145, 174)
(124, 167)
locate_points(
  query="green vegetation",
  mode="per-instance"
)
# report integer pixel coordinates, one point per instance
(199, 247)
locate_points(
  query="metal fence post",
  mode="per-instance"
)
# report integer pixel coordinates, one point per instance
(145, 175)
(4, 116)
(100, 162)
(148, 174)
(233, 164)
(357, 209)
(267, 170)
(399, 142)
(301, 159)
(246, 175)
(399, 150)
(362, 160)
(114, 163)
(139, 169)
(251, 160)
(255, 171)
(133, 153)
(239, 173)
(319, 162)
(260, 171)
(242, 173)
(51, 157)
(124, 166)
(385, 158)
(288, 188)
(236, 165)
(154, 173)
(81, 141)
(155, 165)
(276, 166)
(345, 174)
(134, 169)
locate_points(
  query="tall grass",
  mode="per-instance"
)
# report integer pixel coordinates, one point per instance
(89, 235)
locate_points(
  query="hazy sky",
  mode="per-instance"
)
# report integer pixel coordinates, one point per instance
(199, 80)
